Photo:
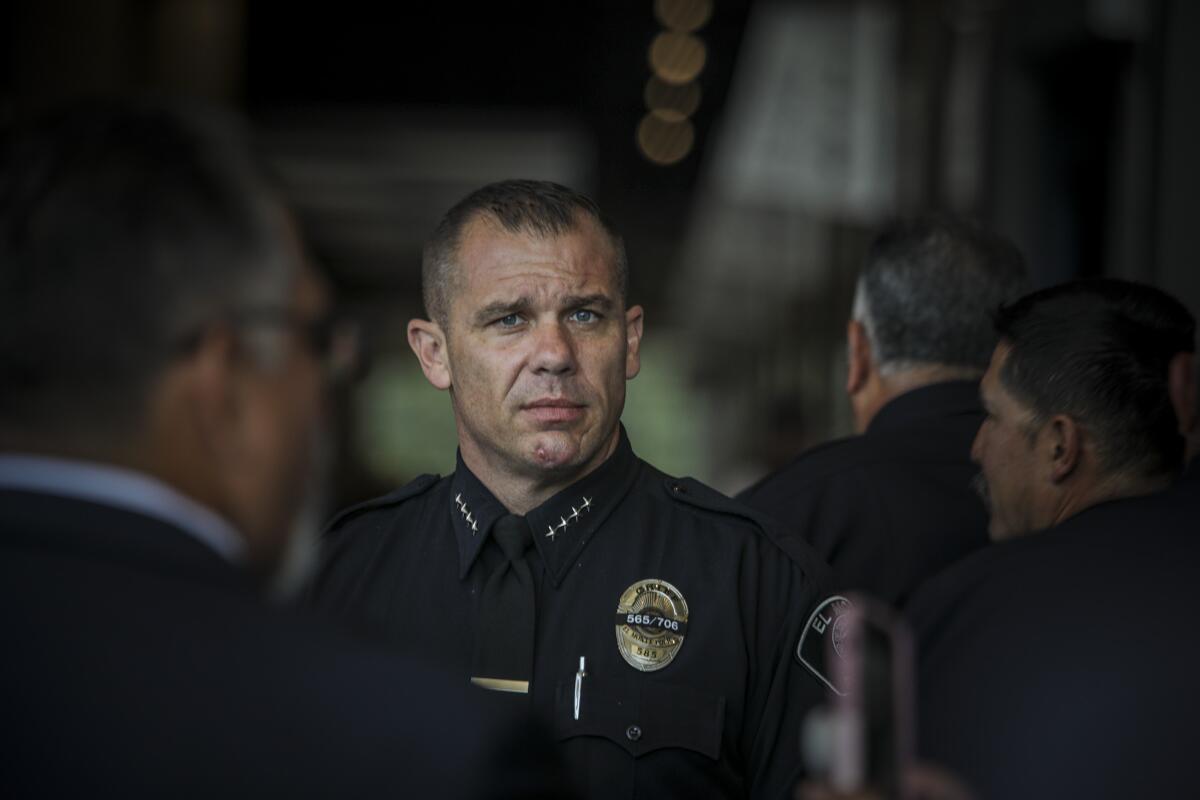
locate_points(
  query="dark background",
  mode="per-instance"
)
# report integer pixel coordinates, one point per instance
(1069, 125)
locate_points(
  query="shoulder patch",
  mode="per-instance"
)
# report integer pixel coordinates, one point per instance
(821, 645)
(415, 487)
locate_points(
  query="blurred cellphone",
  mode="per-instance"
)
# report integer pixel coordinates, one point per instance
(872, 709)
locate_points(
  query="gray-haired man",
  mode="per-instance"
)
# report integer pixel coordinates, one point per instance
(893, 505)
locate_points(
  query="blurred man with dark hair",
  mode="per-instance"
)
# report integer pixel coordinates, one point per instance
(1057, 663)
(653, 622)
(893, 505)
(165, 352)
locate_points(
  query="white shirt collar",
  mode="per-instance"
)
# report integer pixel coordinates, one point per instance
(121, 488)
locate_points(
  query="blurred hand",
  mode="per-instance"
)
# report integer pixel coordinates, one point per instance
(928, 782)
(921, 782)
(821, 791)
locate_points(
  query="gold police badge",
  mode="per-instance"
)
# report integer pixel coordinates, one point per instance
(651, 623)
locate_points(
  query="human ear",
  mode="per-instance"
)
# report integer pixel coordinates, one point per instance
(1181, 386)
(210, 383)
(858, 357)
(1063, 446)
(206, 432)
(428, 341)
(634, 317)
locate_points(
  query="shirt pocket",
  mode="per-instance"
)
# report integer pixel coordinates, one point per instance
(644, 718)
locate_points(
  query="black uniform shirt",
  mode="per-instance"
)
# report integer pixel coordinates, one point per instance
(893, 506)
(722, 719)
(1064, 663)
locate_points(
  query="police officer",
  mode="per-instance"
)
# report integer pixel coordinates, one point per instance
(653, 623)
(893, 505)
(1057, 663)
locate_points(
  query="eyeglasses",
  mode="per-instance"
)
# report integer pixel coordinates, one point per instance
(336, 343)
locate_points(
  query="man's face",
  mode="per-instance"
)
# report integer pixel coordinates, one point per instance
(1005, 449)
(539, 346)
(282, 445)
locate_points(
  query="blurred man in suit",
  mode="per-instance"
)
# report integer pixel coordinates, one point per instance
(165, 353)
(893, 505)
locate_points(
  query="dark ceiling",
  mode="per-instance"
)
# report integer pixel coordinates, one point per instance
(585, 60)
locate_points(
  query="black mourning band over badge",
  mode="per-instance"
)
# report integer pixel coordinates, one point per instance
(651, 623)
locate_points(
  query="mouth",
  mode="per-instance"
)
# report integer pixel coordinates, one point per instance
(554, 410)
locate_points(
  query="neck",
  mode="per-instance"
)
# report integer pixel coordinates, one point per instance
(137, 452)
(882, 388)
(915, 377)
(1113, 487)
(520, 490)
(77, 447)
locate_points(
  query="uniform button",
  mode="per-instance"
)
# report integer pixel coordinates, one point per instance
(633, 733)
(679, 487)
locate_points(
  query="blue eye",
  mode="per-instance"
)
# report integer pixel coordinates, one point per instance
(583, 315)
(509, 321)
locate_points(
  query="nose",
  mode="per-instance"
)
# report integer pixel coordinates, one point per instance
(977, 445)
(554, 352)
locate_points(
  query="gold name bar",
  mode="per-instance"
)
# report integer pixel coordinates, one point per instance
(502, 685)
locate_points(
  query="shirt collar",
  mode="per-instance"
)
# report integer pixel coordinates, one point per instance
(121, 488)
(934, 401)
(562, 526)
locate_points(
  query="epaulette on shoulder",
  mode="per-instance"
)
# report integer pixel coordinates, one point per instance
(418, 485)
(817, 463)
(695, 493)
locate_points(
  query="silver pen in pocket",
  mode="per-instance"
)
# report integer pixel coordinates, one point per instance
(579, 684)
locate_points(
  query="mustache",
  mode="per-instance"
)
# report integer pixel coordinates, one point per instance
(980, 486)
(558, 393)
